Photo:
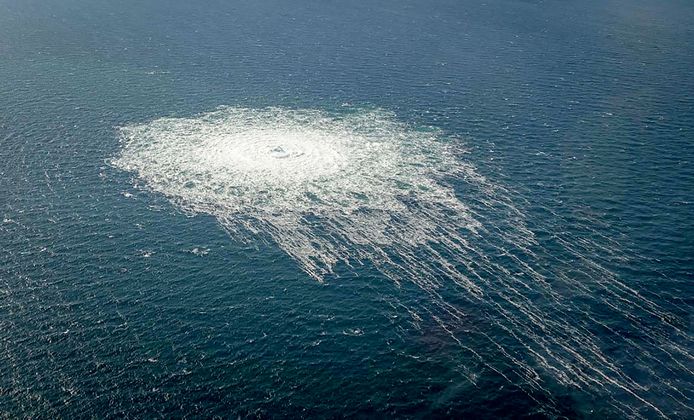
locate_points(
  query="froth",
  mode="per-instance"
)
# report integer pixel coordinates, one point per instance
(266, 171)
(362, 186)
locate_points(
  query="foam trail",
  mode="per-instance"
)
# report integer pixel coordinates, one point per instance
(361, 186)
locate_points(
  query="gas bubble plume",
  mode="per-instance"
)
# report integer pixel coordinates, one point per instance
(361, 187)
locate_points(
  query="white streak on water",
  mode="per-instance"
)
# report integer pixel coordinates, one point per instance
(361, 186)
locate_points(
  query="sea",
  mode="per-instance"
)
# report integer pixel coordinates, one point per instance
(472, 209)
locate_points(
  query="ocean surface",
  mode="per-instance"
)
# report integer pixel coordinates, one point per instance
(281, 209)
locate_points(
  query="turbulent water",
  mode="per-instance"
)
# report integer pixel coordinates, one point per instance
(384, 209)
(325, 188)
(360, 187)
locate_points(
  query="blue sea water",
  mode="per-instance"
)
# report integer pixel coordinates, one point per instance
(570, 295)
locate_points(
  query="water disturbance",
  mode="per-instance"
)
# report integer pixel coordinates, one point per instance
(342, 190)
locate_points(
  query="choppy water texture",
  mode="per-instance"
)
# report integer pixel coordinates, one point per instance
(256, 210)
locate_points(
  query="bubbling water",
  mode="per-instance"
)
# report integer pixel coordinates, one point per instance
(362, 187)
(266, 171)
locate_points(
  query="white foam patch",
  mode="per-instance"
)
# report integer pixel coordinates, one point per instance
(362, 187)
(325, 189)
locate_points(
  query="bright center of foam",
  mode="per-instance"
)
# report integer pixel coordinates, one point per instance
(278, 157)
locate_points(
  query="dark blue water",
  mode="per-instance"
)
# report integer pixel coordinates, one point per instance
(114, 302)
